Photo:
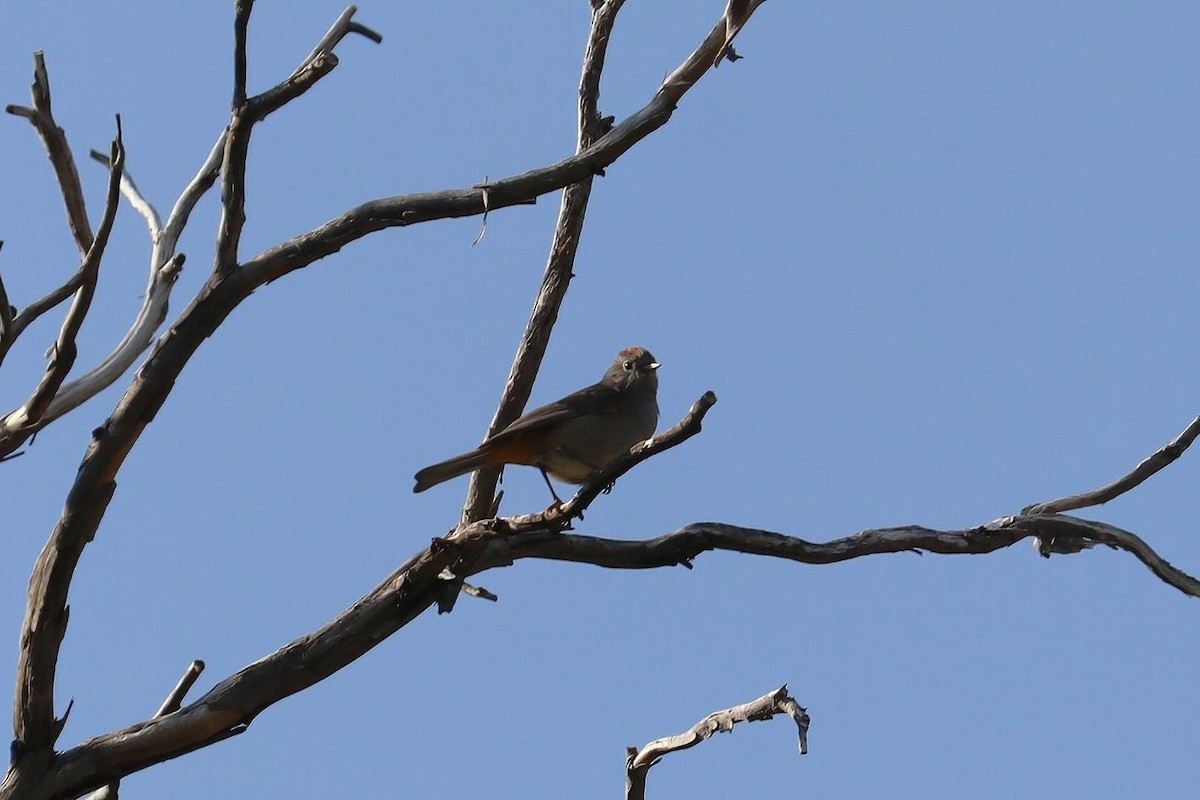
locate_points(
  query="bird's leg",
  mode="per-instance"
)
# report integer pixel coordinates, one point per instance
(557, 500)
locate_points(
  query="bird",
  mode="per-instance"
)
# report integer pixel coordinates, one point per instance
(572, 438)
(735, 18)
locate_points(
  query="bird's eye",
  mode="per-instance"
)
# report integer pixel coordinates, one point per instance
(628, 366)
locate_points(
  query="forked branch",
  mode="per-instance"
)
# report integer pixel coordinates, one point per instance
(17, 426)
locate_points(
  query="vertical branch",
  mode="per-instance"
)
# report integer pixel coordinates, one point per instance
(559, 265)
(41, 116)
(241, 27)
(237, 147)
(34, 725)
(6, 318)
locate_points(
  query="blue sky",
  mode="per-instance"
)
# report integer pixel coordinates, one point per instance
(936, 260)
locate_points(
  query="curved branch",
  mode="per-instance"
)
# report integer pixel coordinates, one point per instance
(639, 762)
(134, 196)
(1149, 466)
(681, 547)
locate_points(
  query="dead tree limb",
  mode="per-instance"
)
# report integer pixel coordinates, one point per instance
(1149, 466)
(231, 706)
(639, 761)
(41, 116)
(170, 705)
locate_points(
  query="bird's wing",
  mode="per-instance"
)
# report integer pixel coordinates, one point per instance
(595, 399)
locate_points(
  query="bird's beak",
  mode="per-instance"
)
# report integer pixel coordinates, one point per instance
(653, 365)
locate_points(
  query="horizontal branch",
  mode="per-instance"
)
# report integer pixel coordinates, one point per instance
(232, 705)
(681, 547)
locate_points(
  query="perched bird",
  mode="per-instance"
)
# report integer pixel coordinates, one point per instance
(573, 437)
(735, 18)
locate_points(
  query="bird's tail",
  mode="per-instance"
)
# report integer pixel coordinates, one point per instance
(451, 468)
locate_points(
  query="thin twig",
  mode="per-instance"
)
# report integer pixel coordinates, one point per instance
(639, 762)
(343, 26)
(36, 309)
(226, 709)
(1149, 466)
(560, 515)
(241, 27)
(248, 112)
(169, 705)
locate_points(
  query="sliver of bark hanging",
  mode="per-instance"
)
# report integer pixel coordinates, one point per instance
(639, 761)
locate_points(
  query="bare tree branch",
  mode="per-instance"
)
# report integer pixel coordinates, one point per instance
(241, 26)
(165, 267)
(1152, 464)
(17, 426)
(231, 705)
(390, 212)
(55, 140)
(736, 14)
(6, 318)
(134, 196)
(639, 762)
(41, 116)
(36, 309)
(559, 266)
(165, 263)
(341, 28)
(248, 112)
(170, 705)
